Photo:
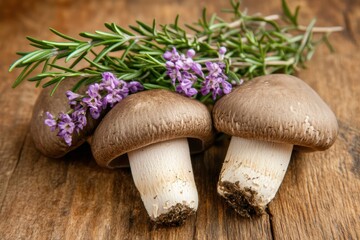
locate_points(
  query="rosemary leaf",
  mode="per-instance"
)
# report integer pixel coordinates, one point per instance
(83, 47)
(64, 36)
(108, 49)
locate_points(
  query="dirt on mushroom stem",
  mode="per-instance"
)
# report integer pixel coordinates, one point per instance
(175, 217)
(243, 200)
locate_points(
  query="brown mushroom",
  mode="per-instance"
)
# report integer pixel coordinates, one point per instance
(152, 128)
(46, 141)
(266, 117)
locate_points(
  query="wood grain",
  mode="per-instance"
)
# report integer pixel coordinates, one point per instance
(73, 198)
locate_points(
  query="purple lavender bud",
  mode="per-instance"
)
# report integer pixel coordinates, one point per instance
(205, 89)
(92, 102)
(179, 64)
(50, 121)
(222, 50)
(72, 97)
(135, 86)
(93, 90)
(213, 68)
(67, 138)
(175, 55)
(187, 64)
(191, 92)
(79, 118)
(108, 77)
(196, 67)
(185, 87)
(186, 83)
(169, 64)
(167, 55)
(113, 97)
(109, 81)
(66, 128)
(187, 76)
(65, 123)
(227, 87)
(95, 112)
(179, 89)
(174, 74)
(171, 56)
(124, 90)
(216, 92)
(221, 65)
(190, 53)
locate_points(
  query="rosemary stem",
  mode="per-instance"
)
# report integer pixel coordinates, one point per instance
(322, 29)
(269, 63)
(207, 60)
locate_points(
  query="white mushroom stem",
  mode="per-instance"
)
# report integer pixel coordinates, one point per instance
(252, 173)
(163, 174)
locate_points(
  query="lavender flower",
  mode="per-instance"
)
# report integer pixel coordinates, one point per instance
(50, 121)
(73, 97)
(94, 90)
(109, 81)
(115, 95)
(215, 69)
(66, 128)
(222, 51)
(190, 53)
(79, 118)
(182, 71)
(172, 56)
(216, 81)
(98, 97)
(186, 88)
(135, 87)
(196, 67)
(173, 72)
(93, 101)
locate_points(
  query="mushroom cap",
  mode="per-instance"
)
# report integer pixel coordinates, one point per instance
(47, 142)
(277, 108)
(150, 117)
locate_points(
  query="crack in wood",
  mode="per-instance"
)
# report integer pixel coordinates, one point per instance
(271, 224)
(14, 168)
(354, 150)
(351, 136)
(348, 25)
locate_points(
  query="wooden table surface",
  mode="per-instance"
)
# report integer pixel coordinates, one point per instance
(73, 198)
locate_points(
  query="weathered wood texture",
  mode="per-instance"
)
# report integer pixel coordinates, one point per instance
(73, 198)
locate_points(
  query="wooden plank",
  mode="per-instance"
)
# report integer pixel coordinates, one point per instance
(320, 195)
(73, 198)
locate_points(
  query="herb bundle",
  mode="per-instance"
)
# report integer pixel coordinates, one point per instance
(256, 45)
(203, 60)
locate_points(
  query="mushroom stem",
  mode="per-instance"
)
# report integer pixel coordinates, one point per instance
(163, 174)
(252, 173)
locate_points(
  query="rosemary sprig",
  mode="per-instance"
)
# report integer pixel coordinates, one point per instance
(256, 45)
